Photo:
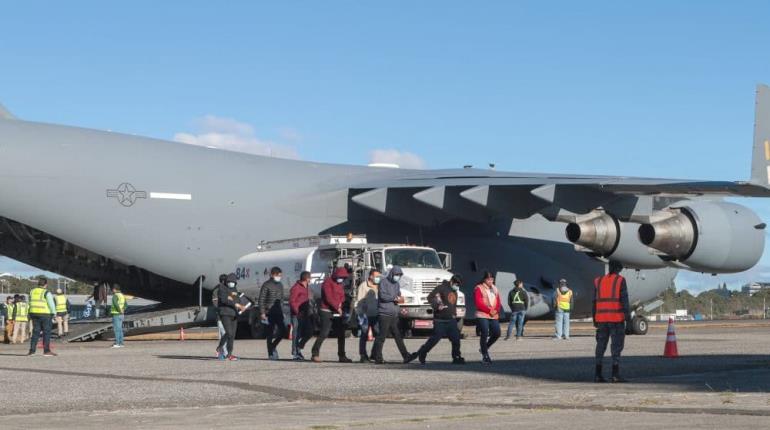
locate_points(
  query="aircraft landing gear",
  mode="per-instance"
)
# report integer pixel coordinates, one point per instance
(639, 325)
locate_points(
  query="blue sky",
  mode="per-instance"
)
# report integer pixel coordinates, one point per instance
(646, 89)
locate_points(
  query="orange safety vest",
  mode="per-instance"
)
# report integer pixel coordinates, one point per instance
(609, 309)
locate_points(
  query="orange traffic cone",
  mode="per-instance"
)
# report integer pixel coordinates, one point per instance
(181, 333)
(370, 337)
(291, 332)
(670, 351)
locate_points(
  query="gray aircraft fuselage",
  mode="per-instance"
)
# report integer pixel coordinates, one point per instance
(156, 215)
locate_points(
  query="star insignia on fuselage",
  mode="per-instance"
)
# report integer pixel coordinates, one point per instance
(126, 194)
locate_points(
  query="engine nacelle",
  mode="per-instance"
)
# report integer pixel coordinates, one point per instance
(713, 237)
(607, 237)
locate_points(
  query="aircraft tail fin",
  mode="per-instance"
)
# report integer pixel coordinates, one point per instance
(4, 114)
(760, 160)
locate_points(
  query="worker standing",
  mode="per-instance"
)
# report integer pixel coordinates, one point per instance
(389, 298)
(62, 313)
(563, 301)
(366, 311)
(488, 306)
(610, 312)
(299, 304)
(20, 319)
(118, 310)
(214, 304)
(271, 310)
(518, 301)
(332, 299)
(228, 306)
(443, 300)
(8, 327)
(41, 311)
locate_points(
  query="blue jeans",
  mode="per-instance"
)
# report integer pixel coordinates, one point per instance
(562, 324)
(517, 319)
(40, 323)
(442, 329)
(364, 323)
(117, 327)
(490, 332)
(302, 328)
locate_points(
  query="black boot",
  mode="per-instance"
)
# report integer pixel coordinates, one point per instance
(598, 376)
(616, 378)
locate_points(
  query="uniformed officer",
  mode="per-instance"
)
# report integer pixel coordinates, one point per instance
(610, 313)
(62, 312)
(41, 310)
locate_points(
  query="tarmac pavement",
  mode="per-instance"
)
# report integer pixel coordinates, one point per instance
(721, 380)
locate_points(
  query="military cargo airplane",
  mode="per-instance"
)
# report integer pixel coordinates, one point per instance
(161, 217)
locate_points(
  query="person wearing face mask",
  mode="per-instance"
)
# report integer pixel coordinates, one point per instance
(389, 297)
(271, 310)
(443, 299)
(366, 310)
(332, 299)
(214, 302)
(228, 306)
(299, 303)
(488, 308)
(562, 303)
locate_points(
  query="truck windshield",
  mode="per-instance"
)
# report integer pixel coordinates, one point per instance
(415, 258)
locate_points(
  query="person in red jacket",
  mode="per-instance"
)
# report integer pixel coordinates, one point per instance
(299, 297)
(332, 299)
(488, 307)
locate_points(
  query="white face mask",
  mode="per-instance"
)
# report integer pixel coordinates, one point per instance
(340, 280)
(455, 287)
(564, 289)
(396, 278)
(377, 280)
(277, 278)
(231, 284)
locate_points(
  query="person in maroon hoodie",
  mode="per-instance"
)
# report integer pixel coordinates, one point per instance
(332, 299)
(299, 297)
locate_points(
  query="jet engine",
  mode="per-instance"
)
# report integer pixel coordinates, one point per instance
(707, 236)
(603, 235)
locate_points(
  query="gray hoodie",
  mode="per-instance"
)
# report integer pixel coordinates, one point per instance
(388, 293)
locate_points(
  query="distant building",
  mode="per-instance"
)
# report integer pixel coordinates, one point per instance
(755, 287)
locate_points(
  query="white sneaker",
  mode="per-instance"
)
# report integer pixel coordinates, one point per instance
(116, 346)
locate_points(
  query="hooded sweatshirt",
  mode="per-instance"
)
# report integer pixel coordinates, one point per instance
(332, 293)
(227, 298)
(388, 292)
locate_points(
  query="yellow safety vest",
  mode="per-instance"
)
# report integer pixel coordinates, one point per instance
(22, 312)
(118, 304)
(38, 305)
(61, 303)
(563, 300)
(9, 311)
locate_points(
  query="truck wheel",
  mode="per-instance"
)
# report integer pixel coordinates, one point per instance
(640, 325)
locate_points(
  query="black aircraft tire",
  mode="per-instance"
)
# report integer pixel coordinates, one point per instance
(640, 326)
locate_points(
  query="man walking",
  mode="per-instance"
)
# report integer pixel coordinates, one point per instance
(214, 304)
(332, 299)
(389, 297)
(41, 310)
(271, 310)
(366, 311)
(118, 310)
(443, 299)
(228, 306)
(610, 312)
(518, 301)
(562, 303)
(299, 303)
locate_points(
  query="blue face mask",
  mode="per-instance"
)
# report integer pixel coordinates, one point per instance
(377, 280)
(396, 278)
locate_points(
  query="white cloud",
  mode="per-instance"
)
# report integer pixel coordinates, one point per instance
(406, 160)
(233, 135)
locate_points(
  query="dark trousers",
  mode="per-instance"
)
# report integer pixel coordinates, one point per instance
(489, 332)
(302, 328)
(327, 324)
(442, 329)
(389, 325)
(230, 324)
(605, 332)
(365, 322)
(41, 322)
(274, 332)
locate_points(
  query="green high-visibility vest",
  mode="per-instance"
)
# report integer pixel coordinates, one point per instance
(22, 312)
(38, 305)
(118, 304)
(61, 303)
(517, 299)
(9, 311)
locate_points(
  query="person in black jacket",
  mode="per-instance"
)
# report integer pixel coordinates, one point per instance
(443, 299)
(518, 301)
(228, 307)
(271, 310)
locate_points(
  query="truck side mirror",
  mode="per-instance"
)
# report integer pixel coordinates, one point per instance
(446, 260)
